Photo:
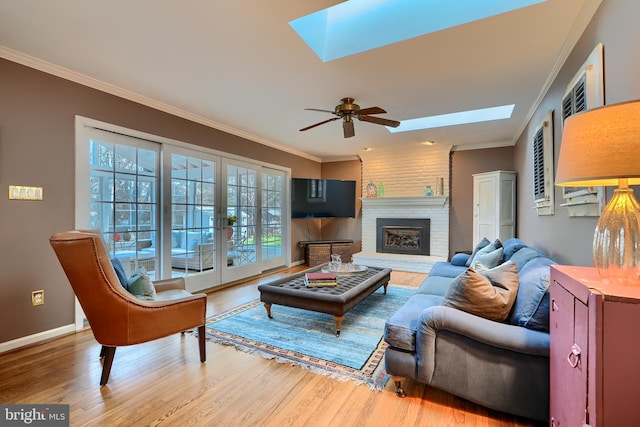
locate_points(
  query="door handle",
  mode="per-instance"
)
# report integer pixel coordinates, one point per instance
(574, 357)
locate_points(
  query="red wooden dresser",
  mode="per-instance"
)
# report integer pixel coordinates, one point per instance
(595, 350)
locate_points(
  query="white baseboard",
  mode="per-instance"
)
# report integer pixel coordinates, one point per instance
(36, 338)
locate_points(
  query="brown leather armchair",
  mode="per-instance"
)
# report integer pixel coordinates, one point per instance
(116, 317)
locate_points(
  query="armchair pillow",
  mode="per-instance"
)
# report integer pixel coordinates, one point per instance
(141, 286)
(122, 276)
(489, 293)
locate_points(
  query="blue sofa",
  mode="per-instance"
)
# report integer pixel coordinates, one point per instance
(503, 365)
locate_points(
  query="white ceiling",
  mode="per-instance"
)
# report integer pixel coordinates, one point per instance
(239, 66)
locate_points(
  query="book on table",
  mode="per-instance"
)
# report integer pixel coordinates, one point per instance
(320, 279)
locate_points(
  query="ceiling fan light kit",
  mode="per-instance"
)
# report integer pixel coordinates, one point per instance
(347, 110)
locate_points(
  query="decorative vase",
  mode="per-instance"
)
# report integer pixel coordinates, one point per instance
(229, 232)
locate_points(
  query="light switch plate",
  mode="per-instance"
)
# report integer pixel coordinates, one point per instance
(21, 192)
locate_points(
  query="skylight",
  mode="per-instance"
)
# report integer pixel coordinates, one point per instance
(359, 25)
(452, 119)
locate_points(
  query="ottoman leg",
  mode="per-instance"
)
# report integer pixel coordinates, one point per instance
(338, 320)
(267, 306)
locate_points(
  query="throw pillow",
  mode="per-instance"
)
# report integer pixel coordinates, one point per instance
(488, 293)
(485, 250)
(460, 259)
(122, 276)
(511, 246)
(141, 286)
(488, 260)
(531, 308)
(484, 242)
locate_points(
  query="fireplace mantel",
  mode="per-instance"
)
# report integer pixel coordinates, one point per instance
(398, 202)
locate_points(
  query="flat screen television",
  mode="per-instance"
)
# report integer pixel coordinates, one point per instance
(322, 198)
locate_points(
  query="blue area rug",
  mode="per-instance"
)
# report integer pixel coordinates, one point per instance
(308, 339)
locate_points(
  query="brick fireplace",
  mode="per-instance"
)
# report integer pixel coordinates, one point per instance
(435, 209)
(405, 173)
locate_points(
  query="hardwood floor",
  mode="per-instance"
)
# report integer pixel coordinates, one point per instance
(164, 383)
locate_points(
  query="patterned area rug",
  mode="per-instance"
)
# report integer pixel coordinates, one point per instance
(308, 339)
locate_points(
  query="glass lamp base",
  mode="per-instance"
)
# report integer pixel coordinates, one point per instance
(616, 240)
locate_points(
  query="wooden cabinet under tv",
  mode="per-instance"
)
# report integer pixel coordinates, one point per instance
(318, 252)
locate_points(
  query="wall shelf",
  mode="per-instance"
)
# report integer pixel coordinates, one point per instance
(425, 201)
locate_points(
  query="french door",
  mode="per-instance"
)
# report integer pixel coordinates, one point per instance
(180, 212)
(253, 205)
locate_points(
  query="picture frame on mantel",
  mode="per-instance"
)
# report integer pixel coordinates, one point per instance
(584, 91)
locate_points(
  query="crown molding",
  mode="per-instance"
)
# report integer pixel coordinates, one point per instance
(82, 79)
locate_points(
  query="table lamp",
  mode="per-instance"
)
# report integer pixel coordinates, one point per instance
(601, 147)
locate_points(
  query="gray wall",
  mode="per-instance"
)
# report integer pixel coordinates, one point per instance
(37, 142)
(615, 25)
(463, 165)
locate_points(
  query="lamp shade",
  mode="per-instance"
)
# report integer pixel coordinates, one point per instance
(601, 146)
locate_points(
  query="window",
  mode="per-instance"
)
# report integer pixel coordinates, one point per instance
(543, 191)
(193, 221)
(123, 186)
(584, 91)
(272, 209)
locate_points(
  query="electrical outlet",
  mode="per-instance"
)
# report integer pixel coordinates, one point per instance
(37, 297)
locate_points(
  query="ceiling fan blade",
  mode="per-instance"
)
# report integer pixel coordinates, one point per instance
(380, 121)
(347, 127)
(371, 110)
(318, 109)
(320, 123)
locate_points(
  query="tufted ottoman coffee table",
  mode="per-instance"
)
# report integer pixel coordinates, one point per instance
(335, 300)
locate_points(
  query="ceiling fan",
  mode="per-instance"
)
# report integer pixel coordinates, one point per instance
(348, 111)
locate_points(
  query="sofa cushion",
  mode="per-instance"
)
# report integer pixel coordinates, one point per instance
(446, 269)
(176, 239)
(460, 259)
(487, 293)
(400, 328)
(511, 246)
(531, 308)
(484, 242)
(487, 249)
(488, 260)
(435, 285)
(526, 254)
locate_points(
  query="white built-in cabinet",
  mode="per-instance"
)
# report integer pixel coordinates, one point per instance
(494, 206)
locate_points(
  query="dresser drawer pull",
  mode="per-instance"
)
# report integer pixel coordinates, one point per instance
(574, 357)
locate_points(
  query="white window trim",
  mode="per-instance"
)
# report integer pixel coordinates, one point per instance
(587, 201)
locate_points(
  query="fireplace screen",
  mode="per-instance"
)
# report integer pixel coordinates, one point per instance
(403, 236)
